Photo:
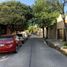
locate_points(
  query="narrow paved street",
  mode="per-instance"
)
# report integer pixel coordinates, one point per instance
(34, 53)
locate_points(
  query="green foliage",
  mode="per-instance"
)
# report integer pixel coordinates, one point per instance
(30, 29)
(45, 12)
(33, 28)
(57, 5)
(13, 12)
(65, 45)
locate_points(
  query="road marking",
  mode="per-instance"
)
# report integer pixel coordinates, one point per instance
(3, 58)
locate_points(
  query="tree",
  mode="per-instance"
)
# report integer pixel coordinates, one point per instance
(15, 13)
(45, 14)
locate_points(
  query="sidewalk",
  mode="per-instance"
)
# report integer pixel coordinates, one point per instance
(57, 44)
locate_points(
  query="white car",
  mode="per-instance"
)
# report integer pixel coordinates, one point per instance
(20, 37)
(24, 34)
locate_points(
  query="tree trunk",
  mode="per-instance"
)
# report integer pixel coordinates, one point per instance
(46, 32)
(8, 29)
(43, 32)
(64, 29)
(64, 35)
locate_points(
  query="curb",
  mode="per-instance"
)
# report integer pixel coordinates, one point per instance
(56, 47)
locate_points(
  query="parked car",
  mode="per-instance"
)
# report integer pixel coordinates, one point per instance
(20, 37)
(25, 36)
(9, 44)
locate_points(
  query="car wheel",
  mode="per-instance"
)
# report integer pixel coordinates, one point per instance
(22, 42)
(16, 49)
(20, 45)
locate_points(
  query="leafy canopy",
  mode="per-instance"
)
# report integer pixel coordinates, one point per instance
(45, 12)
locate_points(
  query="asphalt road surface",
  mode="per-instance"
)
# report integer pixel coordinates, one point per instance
(34, 53)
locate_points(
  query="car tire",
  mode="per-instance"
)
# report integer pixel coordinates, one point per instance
(22, 42)
(16, 50)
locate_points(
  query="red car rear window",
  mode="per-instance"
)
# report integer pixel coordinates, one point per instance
(6, 37)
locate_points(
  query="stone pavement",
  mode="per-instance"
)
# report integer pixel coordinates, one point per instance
(57, 44)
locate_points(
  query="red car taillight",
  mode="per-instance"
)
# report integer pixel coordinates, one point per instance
(9, 44)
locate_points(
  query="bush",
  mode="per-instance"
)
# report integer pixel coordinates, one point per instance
(65, 45)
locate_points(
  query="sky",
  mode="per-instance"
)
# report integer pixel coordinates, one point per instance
(27, 2)
(65, 9)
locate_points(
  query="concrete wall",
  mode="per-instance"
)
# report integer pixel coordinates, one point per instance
(40, 32)
(52, 33)
(60, 25)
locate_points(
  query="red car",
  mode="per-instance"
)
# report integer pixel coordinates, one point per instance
(9, 44)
